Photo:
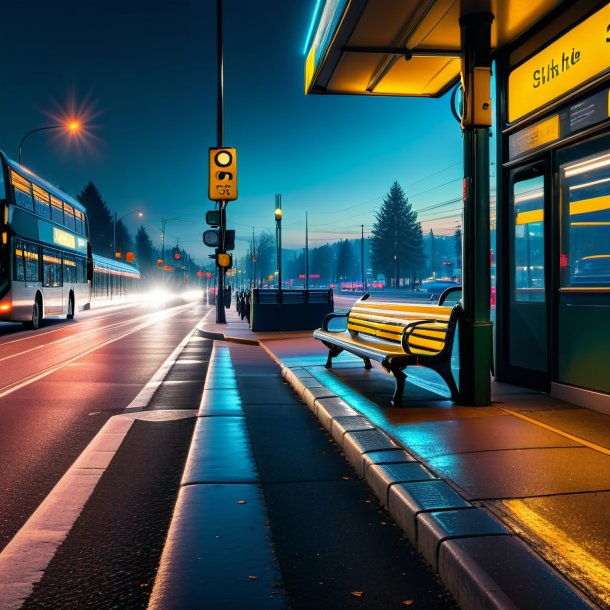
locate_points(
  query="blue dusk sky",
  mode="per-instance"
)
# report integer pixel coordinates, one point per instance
(143, 74)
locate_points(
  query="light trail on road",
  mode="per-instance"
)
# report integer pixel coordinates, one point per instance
(35, 376)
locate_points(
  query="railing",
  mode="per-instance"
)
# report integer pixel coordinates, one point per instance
(273, 309)
(270, 296)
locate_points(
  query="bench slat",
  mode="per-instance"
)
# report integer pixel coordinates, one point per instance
(397, 335)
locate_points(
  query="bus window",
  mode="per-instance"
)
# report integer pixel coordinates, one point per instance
(32, 269)
(22, 191)
(57, 210)
(528, 201)
(81, 270)
(585, 235)
(51, 268)
(41, 202)
(69, 217)
(69, 269)
(19, 271)
(78, 222)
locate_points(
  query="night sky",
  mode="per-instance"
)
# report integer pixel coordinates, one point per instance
(143, 73)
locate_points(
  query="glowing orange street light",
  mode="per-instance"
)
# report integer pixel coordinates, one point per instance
(72, 127)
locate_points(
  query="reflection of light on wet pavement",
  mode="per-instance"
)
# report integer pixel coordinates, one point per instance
(559, 549)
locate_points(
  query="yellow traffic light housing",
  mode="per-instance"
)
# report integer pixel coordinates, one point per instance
(224, 260)
(222, 174)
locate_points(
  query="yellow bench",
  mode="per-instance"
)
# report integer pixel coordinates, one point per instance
(397, 335)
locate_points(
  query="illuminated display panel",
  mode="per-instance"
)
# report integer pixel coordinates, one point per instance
(571, 60)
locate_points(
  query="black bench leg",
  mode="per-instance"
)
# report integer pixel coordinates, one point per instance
(332, 352)
(399, 388)
(445, 372)
(367, 364)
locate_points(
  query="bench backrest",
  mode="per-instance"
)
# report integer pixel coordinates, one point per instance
(387, 321)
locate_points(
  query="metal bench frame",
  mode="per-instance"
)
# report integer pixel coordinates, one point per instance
(393, 362)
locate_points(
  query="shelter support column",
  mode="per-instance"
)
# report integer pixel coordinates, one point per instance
(476, 329)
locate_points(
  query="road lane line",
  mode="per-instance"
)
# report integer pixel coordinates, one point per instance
(9, 389)
(147, 392)
(26, 557)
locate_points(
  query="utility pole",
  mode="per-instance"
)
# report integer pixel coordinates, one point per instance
(306, 253)
(220, 296)
(252, 261)
(163, 221)
(362, 258)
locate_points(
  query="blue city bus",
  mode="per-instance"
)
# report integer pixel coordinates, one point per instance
(45, 254)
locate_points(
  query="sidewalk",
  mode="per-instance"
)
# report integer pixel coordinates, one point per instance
(510, 504)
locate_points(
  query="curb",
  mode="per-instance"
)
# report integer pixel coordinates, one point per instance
(219, 506)
(482, 563)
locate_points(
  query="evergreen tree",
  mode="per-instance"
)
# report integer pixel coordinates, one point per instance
(100, 220)
(145, 253)
(397, 245)
(124, 241)
(344, 260)
(265, 255)
(319, 263)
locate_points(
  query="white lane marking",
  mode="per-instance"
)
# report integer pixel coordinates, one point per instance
(10, 388)
(147, 392)
(43, 332)
(26, 557)
(21, 353)
(84, 333)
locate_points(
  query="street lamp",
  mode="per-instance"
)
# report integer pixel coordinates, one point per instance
(71, 127)
(138, 212)
(278, 238)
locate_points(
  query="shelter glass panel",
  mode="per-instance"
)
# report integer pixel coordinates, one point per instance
(585, 236)
(528, 214)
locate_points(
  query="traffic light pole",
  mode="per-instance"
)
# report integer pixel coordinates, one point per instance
(220, 296)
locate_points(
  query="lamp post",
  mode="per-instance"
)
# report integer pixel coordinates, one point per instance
(278, 238)
(72, 127)
(138, 212)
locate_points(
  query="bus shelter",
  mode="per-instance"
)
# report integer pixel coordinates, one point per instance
(551, 75)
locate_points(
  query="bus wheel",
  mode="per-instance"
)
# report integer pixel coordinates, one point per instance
(34, 323)
(70, 314)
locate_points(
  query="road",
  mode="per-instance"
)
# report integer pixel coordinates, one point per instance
(62, 383)
(60, 388)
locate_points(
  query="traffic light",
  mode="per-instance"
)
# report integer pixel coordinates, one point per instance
(222, 172)
(211, 238)
(212, 218)
(224, 260)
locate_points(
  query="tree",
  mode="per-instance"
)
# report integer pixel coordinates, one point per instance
(344, 260)
(397, 245)
(265, 255)
(100, 220)
(319, 263)
(124, 241)
(145, 253)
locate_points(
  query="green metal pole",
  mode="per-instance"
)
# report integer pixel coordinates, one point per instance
(476, 328)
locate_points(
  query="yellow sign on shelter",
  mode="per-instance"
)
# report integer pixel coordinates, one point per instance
(577, 56)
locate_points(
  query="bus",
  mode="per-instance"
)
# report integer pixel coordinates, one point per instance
(112, 279)
(45, 254)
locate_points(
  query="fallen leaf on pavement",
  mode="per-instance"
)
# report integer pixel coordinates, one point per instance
(357, 593)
